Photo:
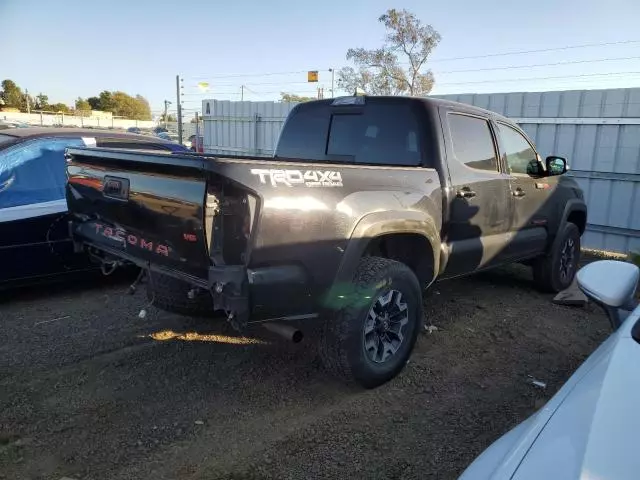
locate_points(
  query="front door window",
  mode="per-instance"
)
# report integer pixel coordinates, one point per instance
(520, 157)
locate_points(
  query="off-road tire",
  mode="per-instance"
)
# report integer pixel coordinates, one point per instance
(171, 294)
(546, 269)
(341, 344)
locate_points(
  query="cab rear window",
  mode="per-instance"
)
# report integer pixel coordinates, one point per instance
(378, 133)
(381, 135)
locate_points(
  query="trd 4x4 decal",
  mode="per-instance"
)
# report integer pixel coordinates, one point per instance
(308, 178)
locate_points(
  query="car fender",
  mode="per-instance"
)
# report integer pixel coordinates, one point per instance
(376, 224)
(573, 205)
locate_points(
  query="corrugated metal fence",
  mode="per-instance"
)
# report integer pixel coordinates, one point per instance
(235, 128)
(598, 131)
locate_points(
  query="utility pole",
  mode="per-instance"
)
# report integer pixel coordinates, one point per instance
(332, 78)
(166, 105)
(242, 93)
(179, 104)
(197, 134)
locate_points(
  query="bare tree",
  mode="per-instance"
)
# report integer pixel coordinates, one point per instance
(380, 71)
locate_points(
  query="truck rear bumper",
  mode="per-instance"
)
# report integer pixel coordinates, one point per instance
(227, 284)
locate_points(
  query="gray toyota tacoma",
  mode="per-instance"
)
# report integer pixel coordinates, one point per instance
(366, 202)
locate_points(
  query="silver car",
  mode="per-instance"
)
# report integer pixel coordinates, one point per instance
(591, 428)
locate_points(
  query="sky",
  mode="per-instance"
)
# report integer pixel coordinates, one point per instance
(72, 48)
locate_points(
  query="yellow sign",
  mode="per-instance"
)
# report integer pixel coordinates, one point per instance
(204, 86)
(312, 76)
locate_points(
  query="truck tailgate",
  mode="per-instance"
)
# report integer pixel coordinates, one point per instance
(148, 207)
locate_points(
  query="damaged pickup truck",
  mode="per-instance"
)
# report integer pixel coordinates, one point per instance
(366, 202)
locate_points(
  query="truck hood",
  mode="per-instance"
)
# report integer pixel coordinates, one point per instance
(588, 430)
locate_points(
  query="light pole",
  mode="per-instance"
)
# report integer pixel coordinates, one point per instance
(332, 77)
(179, 88)
(166, 105)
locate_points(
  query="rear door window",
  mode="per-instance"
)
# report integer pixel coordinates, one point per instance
(472, 142)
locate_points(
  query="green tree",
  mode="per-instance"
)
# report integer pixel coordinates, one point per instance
(95, 103)
(171, 118)
(83, 108)
(380, 71)
(122, 104)
(41, 102)
(12, 95)
(291, 97)
(59, 107)
(106, 101)
(143, 108)
(119, 103)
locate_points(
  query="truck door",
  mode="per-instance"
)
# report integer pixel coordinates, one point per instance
(477, 232)
(531, 191)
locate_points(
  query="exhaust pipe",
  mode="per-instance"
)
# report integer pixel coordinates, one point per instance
(285, 331)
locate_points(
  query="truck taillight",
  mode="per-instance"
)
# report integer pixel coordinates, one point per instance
(229, 215)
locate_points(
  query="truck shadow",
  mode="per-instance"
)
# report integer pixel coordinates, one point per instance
(76, 282)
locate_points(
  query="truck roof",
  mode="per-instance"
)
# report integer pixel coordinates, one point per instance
(429, 102)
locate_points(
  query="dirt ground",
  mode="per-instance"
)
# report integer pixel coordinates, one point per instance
(90, 391)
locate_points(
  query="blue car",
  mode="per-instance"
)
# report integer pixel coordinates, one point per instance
(34, 240)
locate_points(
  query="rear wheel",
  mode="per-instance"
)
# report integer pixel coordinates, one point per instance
(370, 339)
(555, 271)
(173, 295)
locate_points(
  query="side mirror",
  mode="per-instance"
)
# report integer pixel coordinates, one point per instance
(612, 285)
(556, 165)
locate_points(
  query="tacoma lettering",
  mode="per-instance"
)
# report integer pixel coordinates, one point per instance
(122, 236)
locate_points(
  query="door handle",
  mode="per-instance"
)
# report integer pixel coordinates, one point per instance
(465, 192)
(518, 192)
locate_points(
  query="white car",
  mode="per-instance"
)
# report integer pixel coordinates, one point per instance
(590, 429)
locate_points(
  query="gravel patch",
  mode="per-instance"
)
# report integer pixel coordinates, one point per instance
(88, 390)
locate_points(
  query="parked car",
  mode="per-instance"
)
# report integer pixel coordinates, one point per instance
(367, 201)
(169, 136)
(34, 237)
(134, 130)
(589, 429)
